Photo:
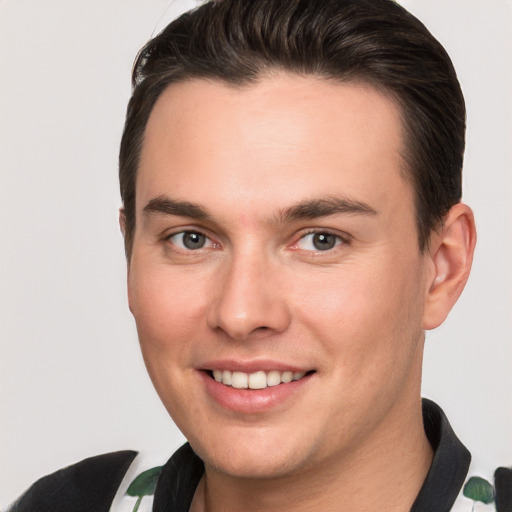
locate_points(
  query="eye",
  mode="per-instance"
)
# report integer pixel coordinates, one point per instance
(319, 241)
(190, 240)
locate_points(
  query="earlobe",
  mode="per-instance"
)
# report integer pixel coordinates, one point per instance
(451, 252)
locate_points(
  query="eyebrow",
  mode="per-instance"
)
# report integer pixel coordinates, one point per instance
(312, 209)
(166, 206)
(324, 208)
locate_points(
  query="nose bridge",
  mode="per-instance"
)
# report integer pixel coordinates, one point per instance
(249, 298)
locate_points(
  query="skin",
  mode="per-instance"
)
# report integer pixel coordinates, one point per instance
(259, 289)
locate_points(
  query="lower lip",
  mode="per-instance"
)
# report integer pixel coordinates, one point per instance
(252, 401)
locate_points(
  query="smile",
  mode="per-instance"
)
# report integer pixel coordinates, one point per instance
(256, 380)
(255, 390)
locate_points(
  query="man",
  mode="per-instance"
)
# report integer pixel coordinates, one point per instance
(291, 181)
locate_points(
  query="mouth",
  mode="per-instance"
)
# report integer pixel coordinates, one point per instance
(256, 380)
(254, 388)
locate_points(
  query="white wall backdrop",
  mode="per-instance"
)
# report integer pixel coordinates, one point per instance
(72, 382)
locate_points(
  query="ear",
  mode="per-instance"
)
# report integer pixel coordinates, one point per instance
(122, 220)
(451, 252)
(122, 225)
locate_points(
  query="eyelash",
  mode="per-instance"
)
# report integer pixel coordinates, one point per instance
(183, 233)
(339, 240)
(208, 243)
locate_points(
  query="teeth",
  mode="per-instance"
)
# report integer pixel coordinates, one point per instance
(273, 378)
(226, 377)
(239, 380)
(257, 380)
(287, 377)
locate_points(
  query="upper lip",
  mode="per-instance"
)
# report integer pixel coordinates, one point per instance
(252, 366)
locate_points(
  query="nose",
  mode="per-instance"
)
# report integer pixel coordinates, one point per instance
(249, 299)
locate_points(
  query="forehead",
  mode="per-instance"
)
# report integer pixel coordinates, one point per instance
(290, 132)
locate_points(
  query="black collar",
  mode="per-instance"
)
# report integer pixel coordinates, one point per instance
(449, 466)
(181, 474)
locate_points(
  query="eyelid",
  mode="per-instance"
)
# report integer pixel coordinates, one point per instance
(181, 231)
(343, 239)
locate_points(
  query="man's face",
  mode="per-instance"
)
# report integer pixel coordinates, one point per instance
(275, 234)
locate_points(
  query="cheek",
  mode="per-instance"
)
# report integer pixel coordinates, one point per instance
(168, 312)
(367, 316)
(168, 307)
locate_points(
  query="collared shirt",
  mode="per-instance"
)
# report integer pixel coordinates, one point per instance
(100, 484)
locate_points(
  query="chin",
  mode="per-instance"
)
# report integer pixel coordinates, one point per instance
(249, 467)
(252, 457)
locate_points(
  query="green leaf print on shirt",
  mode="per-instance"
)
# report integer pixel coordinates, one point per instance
(479, 489)
(144, 485)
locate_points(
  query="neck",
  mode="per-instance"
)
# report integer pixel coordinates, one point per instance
(385, 473)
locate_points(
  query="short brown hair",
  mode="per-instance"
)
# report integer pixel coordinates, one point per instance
(372, 41)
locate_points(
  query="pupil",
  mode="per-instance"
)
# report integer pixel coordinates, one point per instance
(193, 240)
(324, 241)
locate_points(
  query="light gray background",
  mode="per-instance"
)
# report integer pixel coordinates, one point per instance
(72, 382)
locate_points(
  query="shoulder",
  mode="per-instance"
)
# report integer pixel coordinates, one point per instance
(89, 485)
